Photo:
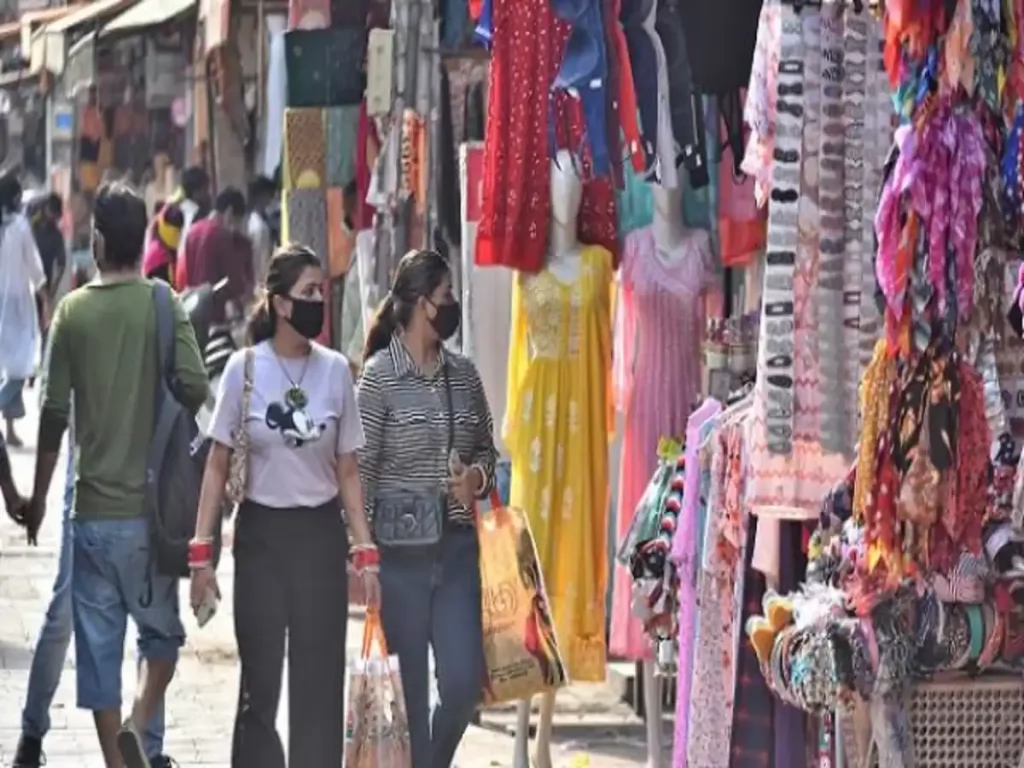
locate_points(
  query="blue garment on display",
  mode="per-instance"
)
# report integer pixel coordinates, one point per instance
(700, 206)
(634, 203)
(584, 71)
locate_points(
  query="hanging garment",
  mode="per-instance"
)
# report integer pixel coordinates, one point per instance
(804, 134)
(686, 555)
(304, 217)
(634, 203)
(325, 66)
(277, 95)
(638, 19)
(528, 43)
(310, 14)
(657, 376)
(686, 111)
(304, 148)
(720, 591)
(742, 226)
(623, 112)
(583, 72)
(557, 426)
(341, 130)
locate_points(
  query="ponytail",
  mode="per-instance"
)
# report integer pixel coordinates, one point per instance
(262, 322)
(381, 329)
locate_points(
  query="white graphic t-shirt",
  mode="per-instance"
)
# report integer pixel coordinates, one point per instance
(293, 445)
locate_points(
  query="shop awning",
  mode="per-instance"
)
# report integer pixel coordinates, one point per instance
(52, 47)
(147, 13)
(95, 11)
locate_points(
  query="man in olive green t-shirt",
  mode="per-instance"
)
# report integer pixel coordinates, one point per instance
(103, 355)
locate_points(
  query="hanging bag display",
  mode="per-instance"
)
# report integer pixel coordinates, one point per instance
(520, 650)
(376, 724)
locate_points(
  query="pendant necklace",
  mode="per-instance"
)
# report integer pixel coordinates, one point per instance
(295, 397)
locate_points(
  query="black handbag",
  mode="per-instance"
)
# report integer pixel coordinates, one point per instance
(409, 519)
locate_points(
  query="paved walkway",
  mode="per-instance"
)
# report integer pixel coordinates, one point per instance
(589, 720)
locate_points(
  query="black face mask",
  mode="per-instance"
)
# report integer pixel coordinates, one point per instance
(307, 317)
(446, 319)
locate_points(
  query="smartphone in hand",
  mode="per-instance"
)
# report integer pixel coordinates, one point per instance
(207, 609)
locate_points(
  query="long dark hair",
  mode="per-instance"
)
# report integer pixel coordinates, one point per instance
(284, 271)
(418, 275)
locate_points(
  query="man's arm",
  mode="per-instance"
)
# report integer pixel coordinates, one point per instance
(53, 418)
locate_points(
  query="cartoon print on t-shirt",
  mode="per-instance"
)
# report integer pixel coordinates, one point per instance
(295, 425)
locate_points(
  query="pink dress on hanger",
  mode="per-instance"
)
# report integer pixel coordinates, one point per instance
(659, 327)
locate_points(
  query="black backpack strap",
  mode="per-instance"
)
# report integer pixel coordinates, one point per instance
(163, 298)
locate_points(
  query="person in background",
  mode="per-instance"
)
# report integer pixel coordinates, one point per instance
(261, 194)
(22, 283)
(103, 355)
(162, 250)
(45, 217)
(291, 543)
(217, 248)
(193, 198)
(427, 426)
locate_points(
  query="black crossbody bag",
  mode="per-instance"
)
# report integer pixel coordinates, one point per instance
(408, 519)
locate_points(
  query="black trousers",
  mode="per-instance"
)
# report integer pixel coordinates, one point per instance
(290, 578)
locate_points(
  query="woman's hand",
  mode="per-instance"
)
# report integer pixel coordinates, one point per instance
(203, 581)
(464, 483)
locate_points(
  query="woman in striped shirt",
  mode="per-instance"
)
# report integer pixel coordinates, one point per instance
(429, 456)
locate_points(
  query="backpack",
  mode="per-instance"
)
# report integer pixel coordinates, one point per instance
(177, 457)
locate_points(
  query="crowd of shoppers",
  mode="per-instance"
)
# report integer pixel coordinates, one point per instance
(322, 453)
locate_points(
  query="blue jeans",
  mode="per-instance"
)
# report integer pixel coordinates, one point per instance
(113, 577)
(54, 638)
(12, 405)
(431, 598)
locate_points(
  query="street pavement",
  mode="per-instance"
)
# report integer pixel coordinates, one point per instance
(593, 729)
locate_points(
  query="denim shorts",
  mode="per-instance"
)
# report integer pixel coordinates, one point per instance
(112, 579)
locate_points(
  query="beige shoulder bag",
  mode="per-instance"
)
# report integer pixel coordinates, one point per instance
(238, 471)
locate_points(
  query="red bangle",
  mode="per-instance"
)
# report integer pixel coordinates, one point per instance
(365, 558)
(200, 552)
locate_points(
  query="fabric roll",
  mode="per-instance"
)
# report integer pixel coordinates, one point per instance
(342, 124)
(305, 217)
(325, 66)
(340, 240)
(309, 14)
(304, 149)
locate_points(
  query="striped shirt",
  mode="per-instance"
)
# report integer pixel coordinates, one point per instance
(405, 422)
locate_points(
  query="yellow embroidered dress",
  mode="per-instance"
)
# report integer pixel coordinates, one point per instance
(557, 425)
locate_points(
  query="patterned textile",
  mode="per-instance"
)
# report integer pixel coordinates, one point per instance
(754, 711)
(342, 128)
(310, 14)
(789, 725)
(325, 66)
(304, 149)
(817, 142)
(305, 220)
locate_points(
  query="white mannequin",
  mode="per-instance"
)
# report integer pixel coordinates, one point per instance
(566, 196)
(564, 251)
(669, 230)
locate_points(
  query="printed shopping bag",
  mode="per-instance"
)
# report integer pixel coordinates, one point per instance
(376, 726)
(520, 650)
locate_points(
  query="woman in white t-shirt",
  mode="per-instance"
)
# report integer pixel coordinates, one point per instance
(291, 544)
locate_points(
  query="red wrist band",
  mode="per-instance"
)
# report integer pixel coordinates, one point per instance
(365, 558)
(200, 552)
